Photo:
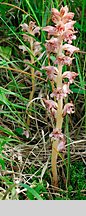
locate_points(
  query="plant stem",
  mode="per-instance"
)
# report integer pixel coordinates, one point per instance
(59, 120)
(53, 163)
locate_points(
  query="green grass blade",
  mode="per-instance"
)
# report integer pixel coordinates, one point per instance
(31, 191)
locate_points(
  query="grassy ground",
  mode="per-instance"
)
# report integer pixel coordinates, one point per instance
(25, 149)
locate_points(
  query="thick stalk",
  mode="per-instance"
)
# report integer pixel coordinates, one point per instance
(54, 166)
(59, 120)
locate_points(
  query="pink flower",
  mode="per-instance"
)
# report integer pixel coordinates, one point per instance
(63, 11)
(52, 72)
(50, 104)
(61, 92)
(68, 17)
(52, 45)
(70, 75)
(69, 48)
(56, 133)
(58, 136)
(63, 15)
(37, 48)
(55, 31)
(63, 60)
(69, 25)
(68, 108)
(66, 89)
(31, 28)
(36, 30)
(24, 27)
(51, 30)
(68, 36)
(61, 146)
(55, 15)
(26, 37)
(60, 28)
(57, 93)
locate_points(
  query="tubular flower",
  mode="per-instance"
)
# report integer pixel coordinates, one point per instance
(51, 30)
(52, 72)
(70, 49)
(68, 36)
(52, 45)
(58, 135)
(61, 92)
(63, 60)
(50, 104)
(68, 108)
(66, 89)
(51, 107)
(57, 93)
(70, 75)
(31, 28)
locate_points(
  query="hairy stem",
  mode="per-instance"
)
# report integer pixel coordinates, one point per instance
(59, 120)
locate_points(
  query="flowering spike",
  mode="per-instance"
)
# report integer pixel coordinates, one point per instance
(59, 43)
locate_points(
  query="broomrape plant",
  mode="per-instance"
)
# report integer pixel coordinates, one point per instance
(59, 42)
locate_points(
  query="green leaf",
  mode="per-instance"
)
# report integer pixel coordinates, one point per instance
(31, 191)
(5, 51)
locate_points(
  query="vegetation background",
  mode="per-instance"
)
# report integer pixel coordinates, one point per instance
(25, 150)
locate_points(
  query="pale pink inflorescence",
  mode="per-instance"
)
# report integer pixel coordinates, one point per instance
(31, 29)
(59, 44)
